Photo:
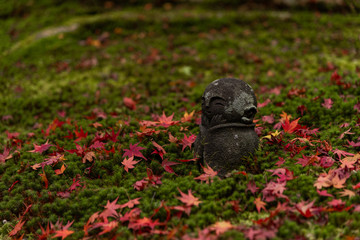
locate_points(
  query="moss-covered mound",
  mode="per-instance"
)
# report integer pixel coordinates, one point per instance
(100, 106)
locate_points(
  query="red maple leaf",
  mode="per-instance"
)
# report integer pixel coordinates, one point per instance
(209, 174)
(131, 203)
(143, 222)
(346, 132)
(167, 165)
(252, 187)
(129, 163)
(159, 150)
(327, 103)
(41, 148)
(134, 151)
(106, 226)
(17, 228)
(129, 103)
(80, 150)
(274, 190)
(172, 139)
(80, 134)
(113, 136)
(165, 121)
(188, 199)
(356, 186)
(187, 141)
(75, 184)
(5, 155)
(45, 233)
(340, 153)
(259, 204)
(290, 127)
(63, 233)
(324, 193)
(110, 210)
(268, 119)
(305, 209)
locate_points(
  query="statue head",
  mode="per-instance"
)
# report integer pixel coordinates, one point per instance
(228, 100)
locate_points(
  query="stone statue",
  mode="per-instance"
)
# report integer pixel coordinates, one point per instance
(227, 133)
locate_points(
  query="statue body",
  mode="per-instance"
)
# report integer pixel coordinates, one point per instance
(227, 133)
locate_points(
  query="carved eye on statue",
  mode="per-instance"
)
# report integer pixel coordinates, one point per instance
(216, 106)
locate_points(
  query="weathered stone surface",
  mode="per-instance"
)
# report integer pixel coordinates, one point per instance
(227, 132)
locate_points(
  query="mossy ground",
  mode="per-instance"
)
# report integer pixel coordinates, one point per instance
(55, 83)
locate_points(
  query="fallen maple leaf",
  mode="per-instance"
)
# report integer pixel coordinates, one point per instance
(5, 155)
(188, 141)
(110, 210)
(209, 174)
(346, 132)
(347, 193)
(338, 203)
(61, 170)
(356, 186)
(187, 117)
(44, 179)
(41, 148)
(129, 103)
(337, 182)
(131, 203)
(340, 153)
(159, 150)
(348, 163)
(88, 157)
(305, 209)
(252, 187)
(268, 119)
(17, 228)
(143, 222)
(80, 134)
(188, 199)
(165, 121)
(259, 204)
(134, 151)
(353, 144)
(107, 226)
(129, 163)
(221, 227)
(63, 233)
(290, 127)
(324, 193)
(263, 104)
(327, 103)
(167, 165)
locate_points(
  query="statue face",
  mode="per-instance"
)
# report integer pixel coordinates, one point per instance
(229, 101)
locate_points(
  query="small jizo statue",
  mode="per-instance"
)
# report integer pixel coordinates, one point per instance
(227, 133)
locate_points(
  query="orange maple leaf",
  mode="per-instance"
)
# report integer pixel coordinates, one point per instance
(89, 157)
(129, 163)
(17, 228)
(187, 117)
(259, 204)
(347, 193)
(189, 199)
(221, 227)
(61, 170)
(63, 233)
(337, 182)
(284, 116)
